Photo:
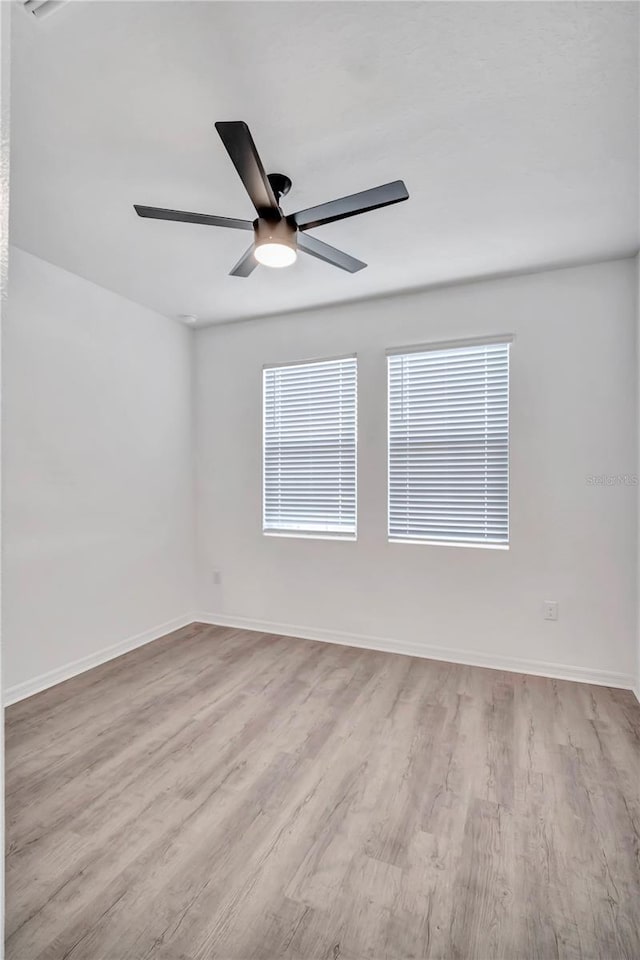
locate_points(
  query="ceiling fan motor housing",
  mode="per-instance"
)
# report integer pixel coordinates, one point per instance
(275, 231)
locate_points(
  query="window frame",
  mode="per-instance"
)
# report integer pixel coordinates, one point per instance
(434, 346)
(293, 533)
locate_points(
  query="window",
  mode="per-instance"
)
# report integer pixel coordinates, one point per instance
(449, 444)
(310, 448)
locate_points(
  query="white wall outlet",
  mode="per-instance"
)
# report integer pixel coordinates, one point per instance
(551, 609)
(216, 576)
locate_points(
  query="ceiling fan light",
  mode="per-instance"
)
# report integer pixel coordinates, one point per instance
(275, 254)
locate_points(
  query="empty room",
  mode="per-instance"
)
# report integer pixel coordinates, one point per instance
(320, 433)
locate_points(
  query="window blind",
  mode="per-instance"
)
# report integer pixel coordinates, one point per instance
(449, 444)
(310, 448)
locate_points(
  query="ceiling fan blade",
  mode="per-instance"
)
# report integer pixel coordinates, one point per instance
(159, 213)
(245, 265)
(240, 146)
(324, 251)
(350, 206)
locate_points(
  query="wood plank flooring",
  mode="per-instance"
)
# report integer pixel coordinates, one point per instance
(234, 795)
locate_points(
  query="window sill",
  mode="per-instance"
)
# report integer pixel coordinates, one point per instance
(300, 535)
(451, 543)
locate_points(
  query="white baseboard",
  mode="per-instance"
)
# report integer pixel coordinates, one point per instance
(26, 689)
(538, 668)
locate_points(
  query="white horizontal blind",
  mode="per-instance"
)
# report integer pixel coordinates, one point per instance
(449, 444)
(310, 447)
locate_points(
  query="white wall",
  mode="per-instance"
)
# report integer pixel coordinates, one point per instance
(97, 472)
(573, 414)
(98, 505)
(5, 58)
(637, 679)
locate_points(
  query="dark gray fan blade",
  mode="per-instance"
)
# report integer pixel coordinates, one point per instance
(350, 206)
(240, 146)
(158, 213)
(245, 265)
(323, 251)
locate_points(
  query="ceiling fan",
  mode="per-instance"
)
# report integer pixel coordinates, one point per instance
(278, 237)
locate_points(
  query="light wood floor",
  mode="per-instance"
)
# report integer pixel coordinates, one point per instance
(224, 794)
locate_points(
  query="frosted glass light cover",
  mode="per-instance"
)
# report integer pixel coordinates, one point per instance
(275, 254)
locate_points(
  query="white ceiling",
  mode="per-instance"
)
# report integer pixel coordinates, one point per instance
(514, 126)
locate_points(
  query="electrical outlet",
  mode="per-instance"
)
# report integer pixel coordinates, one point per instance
(216, 576)
(551, 609)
